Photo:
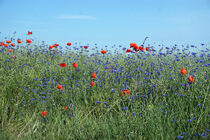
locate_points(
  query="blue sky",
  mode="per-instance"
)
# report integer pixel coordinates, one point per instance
(107, 22)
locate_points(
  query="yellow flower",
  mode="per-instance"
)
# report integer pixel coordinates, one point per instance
(150, 106)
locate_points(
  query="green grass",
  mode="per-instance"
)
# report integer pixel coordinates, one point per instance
(157, 108)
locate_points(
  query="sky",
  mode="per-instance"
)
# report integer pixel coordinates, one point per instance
(107, 22)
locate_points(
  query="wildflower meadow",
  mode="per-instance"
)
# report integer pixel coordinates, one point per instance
(70, 91)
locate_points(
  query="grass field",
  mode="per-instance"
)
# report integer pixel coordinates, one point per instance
(134, 95)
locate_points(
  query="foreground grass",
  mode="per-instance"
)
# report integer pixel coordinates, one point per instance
(162, 104)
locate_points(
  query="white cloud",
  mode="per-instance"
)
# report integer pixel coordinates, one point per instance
(75, 17)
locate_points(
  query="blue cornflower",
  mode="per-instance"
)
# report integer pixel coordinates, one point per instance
(181, 84)
(183, 133)
(203, 134)
(97, 101)
(179, 137)
(143, 96)
(113, 90)
(124, 108)
(189, 120)
(44, 119)
(197, 134)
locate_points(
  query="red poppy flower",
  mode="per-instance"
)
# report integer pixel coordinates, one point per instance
(135, 46)
(136, 49)
(62, 65)
(12, 44)
(191, 79)
(103, 51)
(19, 42)
(71, 54)
(128, 50)
(66, 107)
(125, 91)
(10, 50)
(8, 41)
(5, 45)
(56, 45)
(93, 75)
(14, 57)
(92, 84)
(50, 47)
(85, 47)
(147, 49)
(60, 87)
(44, 113)
(1, 43)
(132, 45)
(75, 65)
(28, 41)
(183, 71)
(29, 33)
(141, 48)
(69, 44)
